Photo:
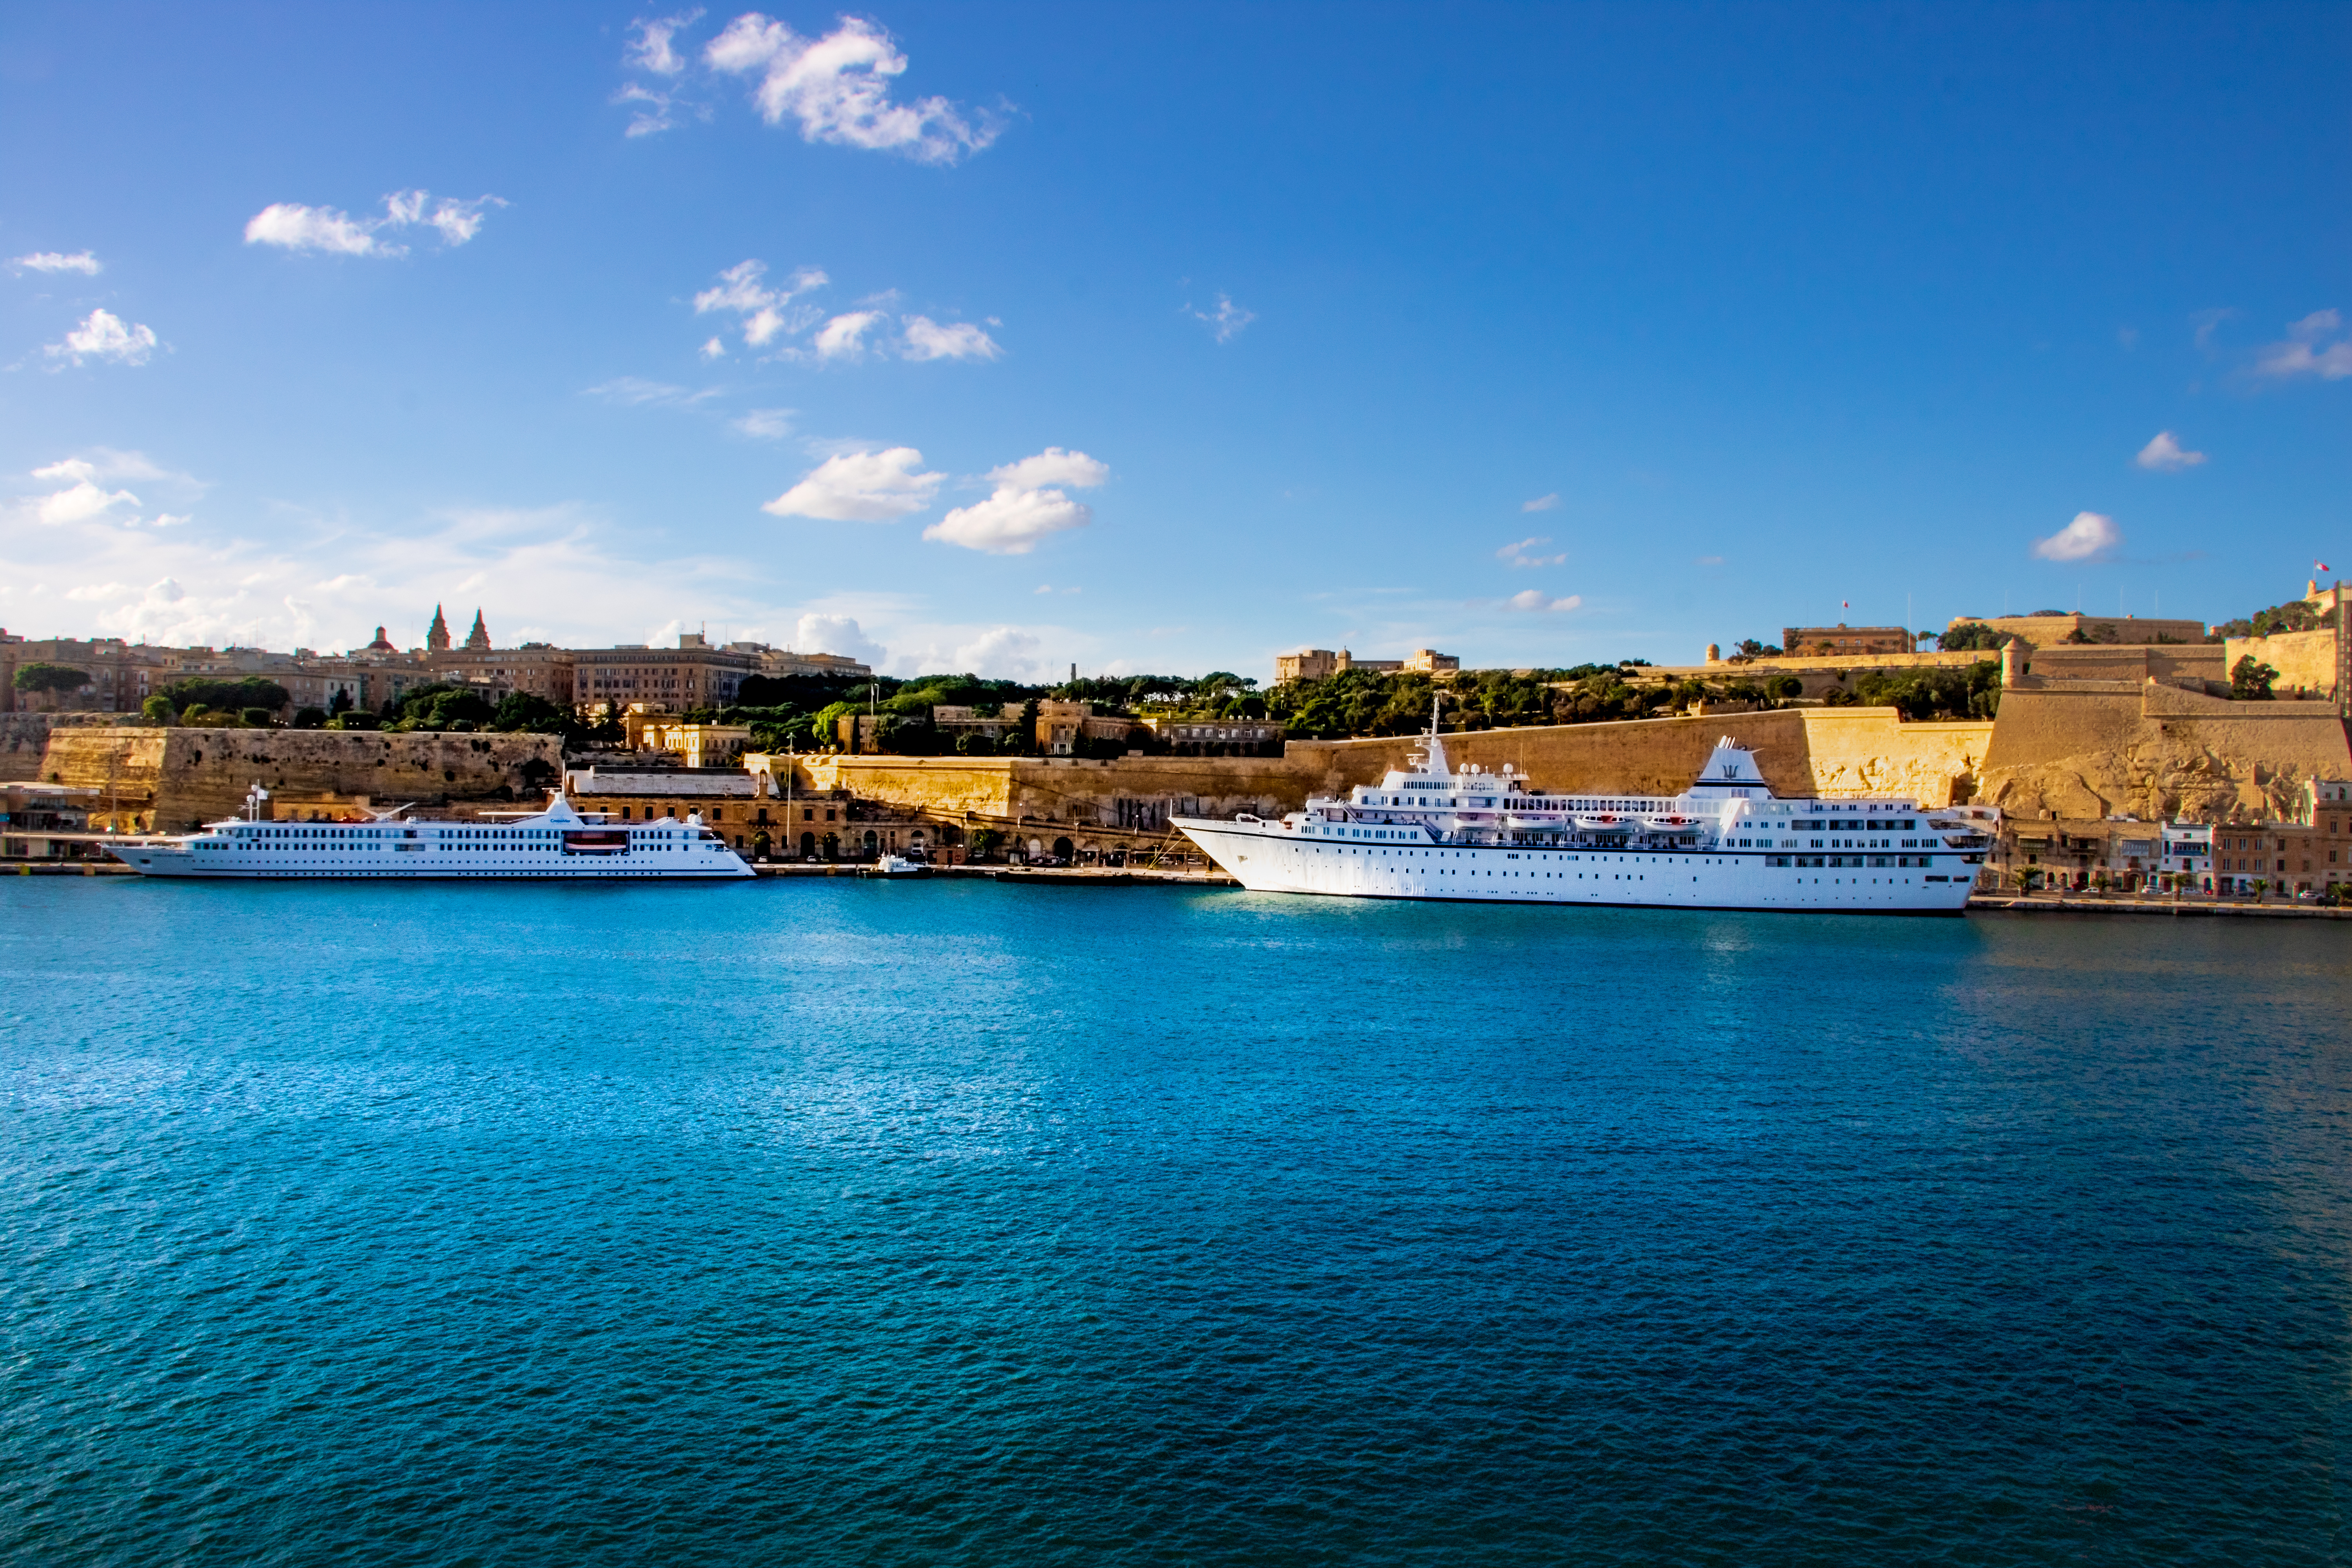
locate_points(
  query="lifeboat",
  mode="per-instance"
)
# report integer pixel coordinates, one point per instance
(1605, 822)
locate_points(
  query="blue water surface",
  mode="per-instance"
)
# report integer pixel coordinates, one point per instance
(839, 1222)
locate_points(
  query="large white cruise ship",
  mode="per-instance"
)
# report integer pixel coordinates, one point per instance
(1431, 831)
(555, 843)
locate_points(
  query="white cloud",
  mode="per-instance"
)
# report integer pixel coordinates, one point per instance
(1226, 321)
(766, 424)
(102, 335)
(861, 486)
(764, 309)
(1053, 467)
(2090, 535)
(298, 227)
(1022, 511)
(1536, 600)
(655, 109)
(2164, 454)
(1521, 552)
(650, 49)
(1001, 653)
(1010, 522)
(926, 339)
(653, 49)
(107, 464)
(80, 501)
(80, 261)
(713, 349)
(2308, 352)
(1542, 503)
(844, 337)
(293, 226)
(837, 634)
(634, 392)
(837, 88)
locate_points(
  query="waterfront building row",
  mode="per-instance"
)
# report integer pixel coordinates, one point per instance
(2309, 854)
(119, 676)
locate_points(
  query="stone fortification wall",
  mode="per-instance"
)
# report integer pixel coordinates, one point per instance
(1818, 677)
(2092, 751)
(2172, 663)
(2306, 661)
(1833, 752)
(1826, 752)
(1064, 789)
(196, 774)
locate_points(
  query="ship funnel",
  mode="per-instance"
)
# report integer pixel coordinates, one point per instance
(1731, 770)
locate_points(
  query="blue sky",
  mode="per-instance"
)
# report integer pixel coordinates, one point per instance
(1168, 337)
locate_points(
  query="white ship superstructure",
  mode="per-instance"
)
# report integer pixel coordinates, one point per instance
(552, 845)
(1432, 831)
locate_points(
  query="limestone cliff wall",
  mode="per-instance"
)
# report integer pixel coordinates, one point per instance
(195, 775)
(24, 741)
(2158, 752)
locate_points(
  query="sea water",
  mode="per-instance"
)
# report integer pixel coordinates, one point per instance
(835, 1222)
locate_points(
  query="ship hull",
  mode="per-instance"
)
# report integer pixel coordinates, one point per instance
(179, 864)
(1267, 858)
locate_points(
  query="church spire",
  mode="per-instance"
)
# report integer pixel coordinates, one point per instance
(479, 637)
(436, 636)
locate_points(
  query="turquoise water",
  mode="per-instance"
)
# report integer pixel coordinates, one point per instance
(838, 1222)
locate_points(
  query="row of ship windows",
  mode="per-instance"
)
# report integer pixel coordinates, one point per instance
(1854, 860)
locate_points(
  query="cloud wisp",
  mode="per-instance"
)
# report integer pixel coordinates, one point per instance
(2092, 536)
(1537, 601)
(837, 89)
(326, 231)
(81, 261)
(1225, 323)
(78, 491)
(105, 337)
(764, 424)
(924, 339)
(771, 317)
(636, 392)
(861, 486)
(2165, 455)
(1542, 503)
(1026, 507)
(1523, 553)
(2308, 350)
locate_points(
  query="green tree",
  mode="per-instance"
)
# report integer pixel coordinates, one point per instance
(444, 705)
(523, 713)
(2250, 680)
(51, 680)
(309, 719)
(2295, 615)
(250, 691)
(157, 710)
(1971, 637)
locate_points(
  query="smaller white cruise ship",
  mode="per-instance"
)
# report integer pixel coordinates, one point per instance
(1432, 831)
(557, 844)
